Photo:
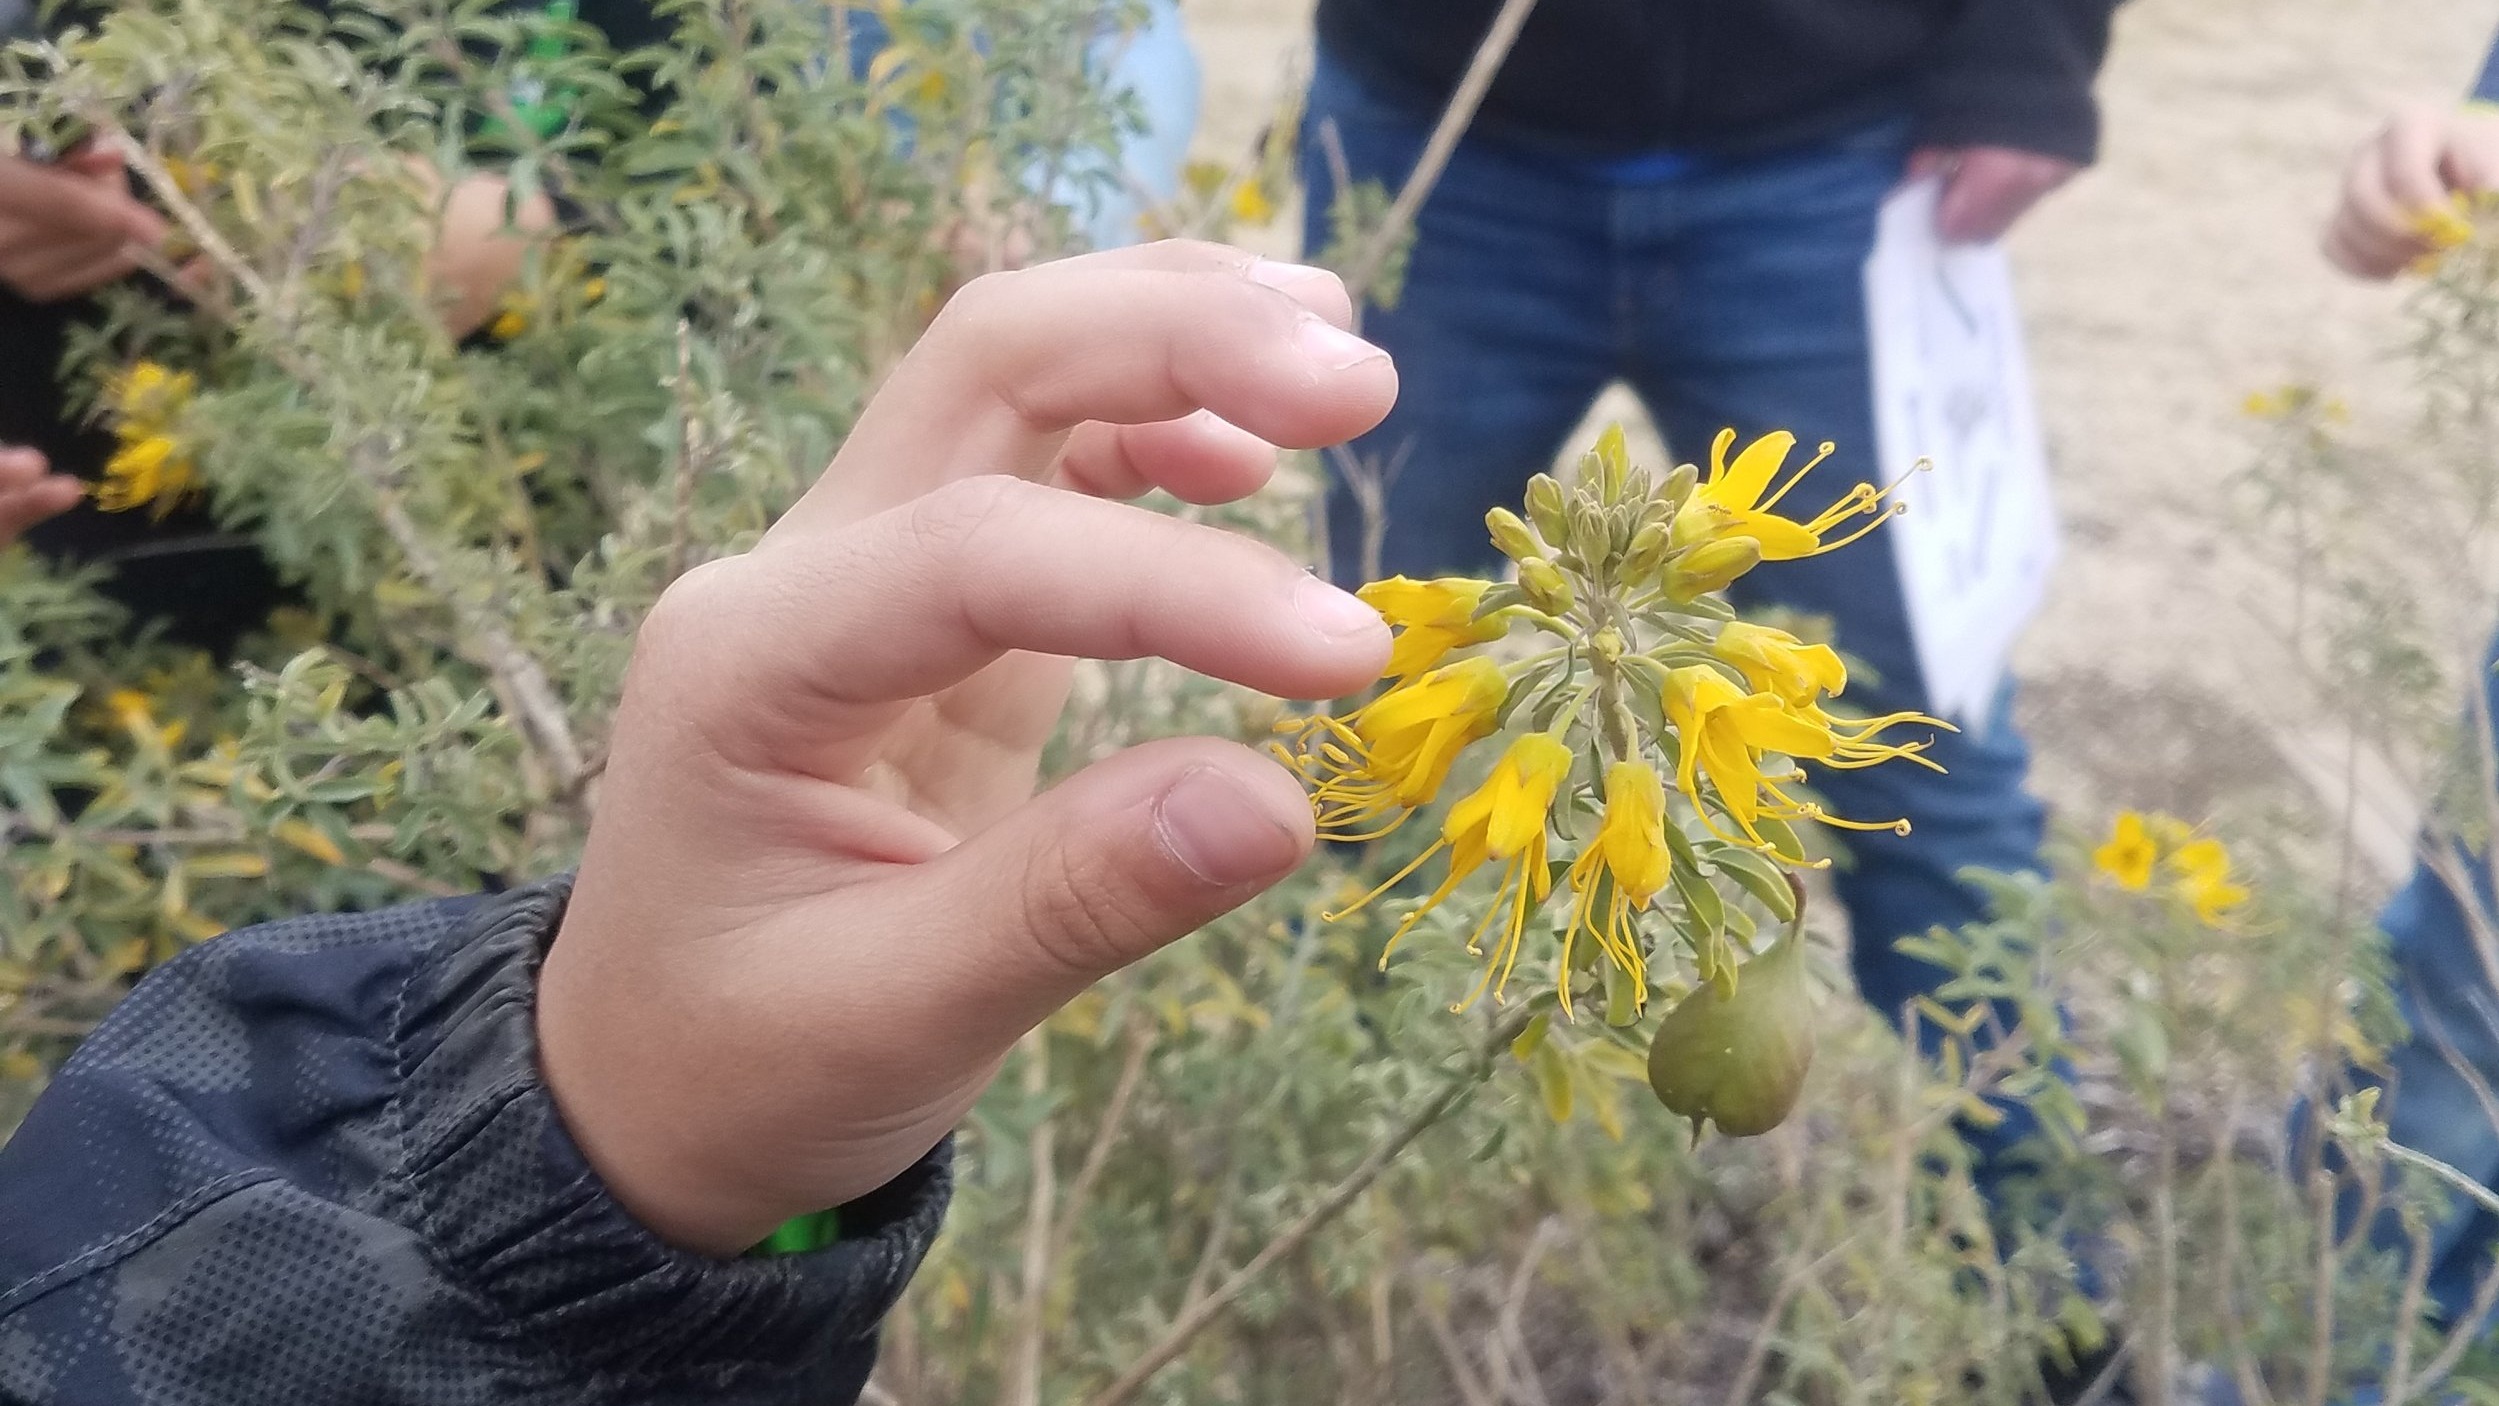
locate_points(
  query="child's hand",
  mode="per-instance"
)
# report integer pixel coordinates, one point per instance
(2400, 191)
(67, 228)
(30, 493)
(821, 901)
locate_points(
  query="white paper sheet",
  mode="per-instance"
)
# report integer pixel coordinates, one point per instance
(1952, 385)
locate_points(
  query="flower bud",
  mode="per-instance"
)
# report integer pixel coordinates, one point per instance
(1679, 486)
(1739, 1060)
(1547, 588)
(1647, 552)
(1613, 458)
(1548, 508)
(1511, 535)
(1588, 536)
(1621, 520)
(1710, 566)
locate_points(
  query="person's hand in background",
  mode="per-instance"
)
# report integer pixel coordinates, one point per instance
(478, 251)
(2399, 193)
(70, 227)
(30, 492)
(1988, 188)
(820, 900)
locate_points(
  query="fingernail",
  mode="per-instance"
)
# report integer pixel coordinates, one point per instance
(1334, 613)
(1221, 833)
(1276, 273)
(1332, 347)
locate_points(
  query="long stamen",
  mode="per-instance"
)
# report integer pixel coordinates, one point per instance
(1393, 881)
(1827, 450)
(1886, 516)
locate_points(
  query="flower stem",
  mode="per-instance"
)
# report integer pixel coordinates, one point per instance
(1202, 1314)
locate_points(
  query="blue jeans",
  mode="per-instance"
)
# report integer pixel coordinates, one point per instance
(1727, 293)
(2449, 998)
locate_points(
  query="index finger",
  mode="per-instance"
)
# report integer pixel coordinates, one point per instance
(1137, 337)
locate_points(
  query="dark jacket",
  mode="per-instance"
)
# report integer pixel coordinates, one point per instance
(1624, 76)
(313, 1163)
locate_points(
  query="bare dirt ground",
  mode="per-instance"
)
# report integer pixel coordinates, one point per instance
(2162, 288)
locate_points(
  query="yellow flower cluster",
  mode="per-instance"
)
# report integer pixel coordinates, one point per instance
(1647, 683)
(2194, 869)
(150, 468)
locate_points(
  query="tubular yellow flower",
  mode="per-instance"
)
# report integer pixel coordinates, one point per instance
(2129, 854)
(1781, 665)
(1629, 848)
(150, 472)
(1504, 819)
(1735, 500)
(1432, 618)
(1373, 767)
(1723, 734)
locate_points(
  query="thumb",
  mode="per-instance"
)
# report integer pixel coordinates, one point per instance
(1114, 863)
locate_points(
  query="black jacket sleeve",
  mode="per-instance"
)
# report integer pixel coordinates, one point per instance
(313, 1162)
(2018, 73)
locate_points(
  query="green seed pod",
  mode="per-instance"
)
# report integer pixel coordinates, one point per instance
(1548, 508)
(1739, 1060)
(1511, 535)
(1547, 588)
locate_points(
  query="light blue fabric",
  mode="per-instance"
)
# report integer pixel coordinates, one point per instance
(1150, 64)
(1155, 65)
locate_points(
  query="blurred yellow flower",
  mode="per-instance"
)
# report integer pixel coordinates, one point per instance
(2203, 868)
(511, 318)
(2445, 227)
(149, 395)
(2142, 847)
(150, 472)
(2129, 854)
(1250, 204)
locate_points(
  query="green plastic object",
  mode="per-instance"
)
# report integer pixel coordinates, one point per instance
(801, 1235)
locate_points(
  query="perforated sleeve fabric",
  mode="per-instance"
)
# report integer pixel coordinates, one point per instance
(313, 1162)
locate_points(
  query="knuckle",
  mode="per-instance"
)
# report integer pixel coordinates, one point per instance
(690, 610)
(1079, 921)
(978, 305)
(949, 520)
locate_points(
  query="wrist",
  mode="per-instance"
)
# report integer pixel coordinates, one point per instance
(654, 1144)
